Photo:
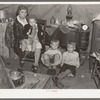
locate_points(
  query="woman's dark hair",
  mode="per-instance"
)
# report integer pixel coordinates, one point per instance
(21, 7)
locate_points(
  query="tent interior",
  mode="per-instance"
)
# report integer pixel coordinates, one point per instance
(80, 12)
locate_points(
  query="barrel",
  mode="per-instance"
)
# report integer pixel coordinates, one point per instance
(84, 39)
(84, 45)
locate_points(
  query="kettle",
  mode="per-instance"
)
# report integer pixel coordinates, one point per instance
(17, 78)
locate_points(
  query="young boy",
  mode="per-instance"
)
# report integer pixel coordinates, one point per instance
(70, 62)
(53, 56)
(31, 41)
(70, 59)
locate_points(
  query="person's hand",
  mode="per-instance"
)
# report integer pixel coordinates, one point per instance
(54, 67)
(50, 67)
(61, 64)
(52, 64)
(30, 36)
(28, 33)
(29, 30)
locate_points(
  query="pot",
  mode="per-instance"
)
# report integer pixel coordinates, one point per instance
(15, 75)
(17, 78)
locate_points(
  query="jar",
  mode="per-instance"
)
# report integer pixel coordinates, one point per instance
(52, 20)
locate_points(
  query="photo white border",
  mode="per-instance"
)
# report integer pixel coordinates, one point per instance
(76, 2)
(50, 93)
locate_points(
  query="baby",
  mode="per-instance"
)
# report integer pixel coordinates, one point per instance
(30, 30)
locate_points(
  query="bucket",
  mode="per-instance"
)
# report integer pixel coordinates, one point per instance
(17, 78)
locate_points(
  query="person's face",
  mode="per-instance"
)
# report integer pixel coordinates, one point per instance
(32, 22)
(23, 14)
(54, 45)
(70, 48)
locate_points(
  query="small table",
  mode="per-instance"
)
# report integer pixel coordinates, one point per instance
(42, 81)
(50, 30)
(39, 81)
(64, 34)
(34, 81)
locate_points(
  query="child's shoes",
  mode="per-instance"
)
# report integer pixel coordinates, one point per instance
(71, 75)
(51, 71)
(57, 83)
(20, 70)
(34, 69)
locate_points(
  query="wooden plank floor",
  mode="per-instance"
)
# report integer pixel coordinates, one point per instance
(81, 81)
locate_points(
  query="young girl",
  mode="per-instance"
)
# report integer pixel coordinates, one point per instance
(30, 30)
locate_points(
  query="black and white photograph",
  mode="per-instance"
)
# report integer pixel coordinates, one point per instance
(50, 46)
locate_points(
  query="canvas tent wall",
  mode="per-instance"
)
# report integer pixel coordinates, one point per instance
(83, 12)
(80, 12)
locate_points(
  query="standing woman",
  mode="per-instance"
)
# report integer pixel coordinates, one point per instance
(20, 22)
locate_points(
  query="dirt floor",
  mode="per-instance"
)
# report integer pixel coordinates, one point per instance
(82, 79)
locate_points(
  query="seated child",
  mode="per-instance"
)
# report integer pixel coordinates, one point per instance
(70, 62)
(30, 30)
(53, 56)
(70, 59)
